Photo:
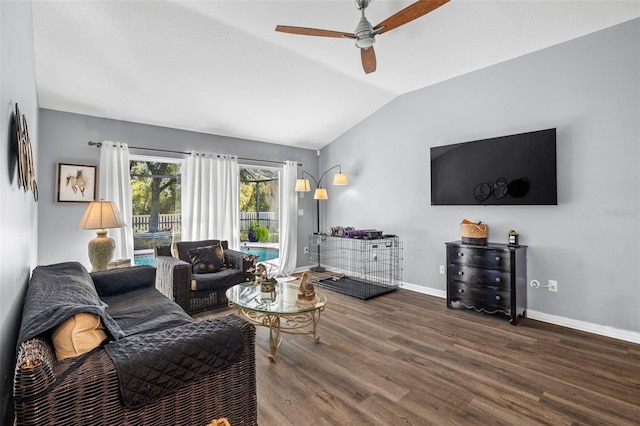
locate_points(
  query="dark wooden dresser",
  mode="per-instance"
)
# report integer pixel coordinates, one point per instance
(490, 278)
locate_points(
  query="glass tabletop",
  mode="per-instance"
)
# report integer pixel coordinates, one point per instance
(284, 300)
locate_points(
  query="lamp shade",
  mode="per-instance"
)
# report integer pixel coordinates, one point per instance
(340, 179)
(101, 215)
(302, 185)
(320, 194)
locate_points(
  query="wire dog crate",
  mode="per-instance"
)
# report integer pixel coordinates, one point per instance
(362, 268)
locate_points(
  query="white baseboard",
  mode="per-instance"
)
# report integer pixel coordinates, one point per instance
(603, 330)
(425, 290)
(301, 269)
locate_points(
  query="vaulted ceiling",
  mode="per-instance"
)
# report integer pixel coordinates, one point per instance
(220, 67)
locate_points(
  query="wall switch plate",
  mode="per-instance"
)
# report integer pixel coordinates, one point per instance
(441, 269)
(553, 285)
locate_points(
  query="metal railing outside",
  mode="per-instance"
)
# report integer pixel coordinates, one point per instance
(173, 221)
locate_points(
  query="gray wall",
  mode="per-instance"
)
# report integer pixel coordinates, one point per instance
(18, 211)
(65, 137)
(589, 89)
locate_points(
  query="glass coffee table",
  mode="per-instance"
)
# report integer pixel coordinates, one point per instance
(280, 311)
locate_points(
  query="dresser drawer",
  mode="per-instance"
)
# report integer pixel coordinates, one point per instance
(481, 258)
(479, 276)
(487, 299)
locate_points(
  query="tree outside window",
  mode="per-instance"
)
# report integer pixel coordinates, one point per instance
(156, 197)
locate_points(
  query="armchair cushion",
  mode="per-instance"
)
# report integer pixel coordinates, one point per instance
(218, 280)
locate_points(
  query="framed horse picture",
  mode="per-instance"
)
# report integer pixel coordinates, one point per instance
(76, 183)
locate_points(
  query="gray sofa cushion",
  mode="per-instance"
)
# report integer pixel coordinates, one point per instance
(151, 365)
(122, 280)
(145, 310)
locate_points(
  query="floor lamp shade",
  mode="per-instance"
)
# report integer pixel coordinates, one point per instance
(302, 185)
(320, 194)
(101, 215)
(340, 179)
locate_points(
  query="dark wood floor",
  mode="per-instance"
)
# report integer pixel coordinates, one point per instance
(405, 359)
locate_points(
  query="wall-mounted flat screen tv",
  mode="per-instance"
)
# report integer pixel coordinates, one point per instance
(508, 170)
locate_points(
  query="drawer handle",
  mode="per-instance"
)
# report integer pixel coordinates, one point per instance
(460, 273)
(460, 290)
(498, 258)
(498, 279)
(460, 254)
(498, 298)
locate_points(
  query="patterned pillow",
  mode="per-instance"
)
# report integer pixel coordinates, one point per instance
(205, 260)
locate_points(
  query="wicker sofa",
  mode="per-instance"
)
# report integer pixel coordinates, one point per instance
(189, 383)
(196, 292)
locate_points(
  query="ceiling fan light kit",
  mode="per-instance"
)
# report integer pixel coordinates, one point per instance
(365, 33)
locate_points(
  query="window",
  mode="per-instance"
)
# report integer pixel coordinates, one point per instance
(155, 199)
(259, 215)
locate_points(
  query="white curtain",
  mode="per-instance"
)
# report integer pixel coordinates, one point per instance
(288, 219)
(210, 198)
(114, 185)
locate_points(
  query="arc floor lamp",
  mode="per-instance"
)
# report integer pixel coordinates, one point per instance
(303, 185)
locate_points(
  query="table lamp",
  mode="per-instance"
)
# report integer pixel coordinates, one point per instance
(101, 215)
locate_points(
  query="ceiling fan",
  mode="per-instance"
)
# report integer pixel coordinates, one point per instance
(365, 33)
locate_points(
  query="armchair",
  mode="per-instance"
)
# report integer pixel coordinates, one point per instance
(197, 292)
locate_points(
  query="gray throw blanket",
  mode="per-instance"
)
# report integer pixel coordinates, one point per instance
(157, 364)
(56, 293)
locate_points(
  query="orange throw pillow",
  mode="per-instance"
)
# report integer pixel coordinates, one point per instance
(77, 335)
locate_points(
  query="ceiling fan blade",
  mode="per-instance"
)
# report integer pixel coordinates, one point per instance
(313, 32)
(408, 14)
(368, 57)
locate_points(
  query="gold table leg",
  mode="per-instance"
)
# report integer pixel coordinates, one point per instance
(275, 338)
(282, 323)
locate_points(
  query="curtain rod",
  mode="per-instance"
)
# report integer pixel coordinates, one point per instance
(99, 145)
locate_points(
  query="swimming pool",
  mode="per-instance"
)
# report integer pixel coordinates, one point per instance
(263, 253)
(144, 259)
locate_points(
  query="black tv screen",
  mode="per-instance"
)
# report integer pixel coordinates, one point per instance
(509, 170)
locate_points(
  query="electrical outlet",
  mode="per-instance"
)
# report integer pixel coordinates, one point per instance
(306, 250)
(553, 285)
(441, 269)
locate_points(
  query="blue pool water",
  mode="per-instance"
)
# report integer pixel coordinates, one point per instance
(145, 259)
(263, 253)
